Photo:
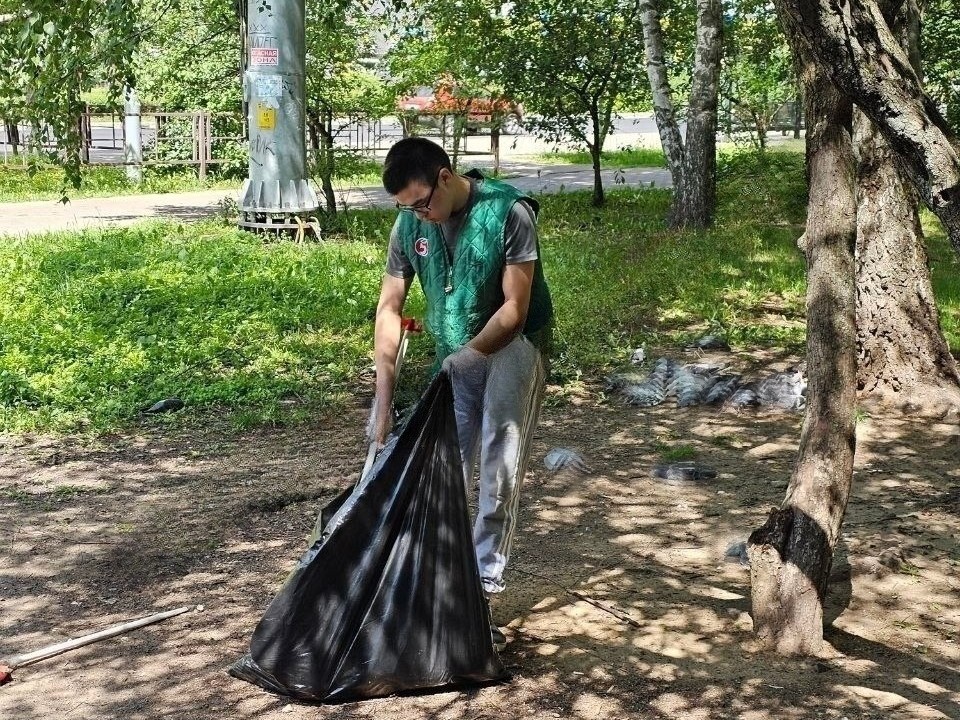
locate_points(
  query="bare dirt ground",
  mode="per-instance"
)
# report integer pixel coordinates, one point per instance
(621, 603)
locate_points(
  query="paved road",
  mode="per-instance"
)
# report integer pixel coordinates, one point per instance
(48, 215)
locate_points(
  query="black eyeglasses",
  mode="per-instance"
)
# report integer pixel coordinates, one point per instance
(422, 206)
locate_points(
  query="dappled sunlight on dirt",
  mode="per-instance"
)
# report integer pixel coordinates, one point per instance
(621, 601)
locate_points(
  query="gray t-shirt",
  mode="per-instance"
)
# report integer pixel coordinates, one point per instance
(519, 236)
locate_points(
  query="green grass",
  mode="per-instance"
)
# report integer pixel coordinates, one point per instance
(94, 326)
(675, 453)
(945, 274)
(97, 325)
(626, 157)
(620, 278)
(17, 184)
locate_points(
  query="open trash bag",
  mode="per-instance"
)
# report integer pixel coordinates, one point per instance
(388, 598)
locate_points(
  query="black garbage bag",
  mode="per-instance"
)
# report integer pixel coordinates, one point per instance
(388, 598)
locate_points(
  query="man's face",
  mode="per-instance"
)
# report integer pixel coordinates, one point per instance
(427, 202)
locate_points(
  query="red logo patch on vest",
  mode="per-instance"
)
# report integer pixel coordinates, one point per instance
(421, 247)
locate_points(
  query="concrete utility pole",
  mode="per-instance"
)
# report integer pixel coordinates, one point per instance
(132, 141)
(277, 196)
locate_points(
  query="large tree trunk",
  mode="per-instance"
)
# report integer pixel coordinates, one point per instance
(692, 165)
(695, 201)
(663, 109)
(904, 359)
(853, 44)
(790, 556)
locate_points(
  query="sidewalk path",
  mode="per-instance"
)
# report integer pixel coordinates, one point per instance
(51, 216)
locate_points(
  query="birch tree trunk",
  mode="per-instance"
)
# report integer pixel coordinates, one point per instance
(852, 43)
(904, 359)
(692, 164)
(695, 202)
(791, 554)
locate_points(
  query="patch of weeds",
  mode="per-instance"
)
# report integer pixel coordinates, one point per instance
(15, 494)
(98, 324)
(65, 493)
(674, 453)
(43, 181)
(731, 442)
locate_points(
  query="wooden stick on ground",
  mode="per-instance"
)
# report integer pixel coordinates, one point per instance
(11, 664)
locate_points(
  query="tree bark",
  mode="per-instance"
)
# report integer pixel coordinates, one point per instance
(328, 161)
(596, 147)
(797, 116)
(663, 109)
(790, 556)
(853, 44)
(904, 359)
(320, 134)
(13, 136)
(692, 164)
(694, 204)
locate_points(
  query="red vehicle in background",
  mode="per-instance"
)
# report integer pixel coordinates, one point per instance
(432, 106)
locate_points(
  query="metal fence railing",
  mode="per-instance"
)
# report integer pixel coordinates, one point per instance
(206, 139)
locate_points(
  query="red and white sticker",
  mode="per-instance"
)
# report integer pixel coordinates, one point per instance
(421, 247)
(264, 56)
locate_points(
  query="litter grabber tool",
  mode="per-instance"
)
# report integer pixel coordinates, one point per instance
(407, 325)
(8, 665)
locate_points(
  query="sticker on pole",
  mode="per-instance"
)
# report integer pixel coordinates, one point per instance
(264, 56)
(266, 117)
(268, 86)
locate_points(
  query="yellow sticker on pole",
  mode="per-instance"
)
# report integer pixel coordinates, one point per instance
(266, 117)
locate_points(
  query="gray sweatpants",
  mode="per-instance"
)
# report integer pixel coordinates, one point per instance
(496, 421)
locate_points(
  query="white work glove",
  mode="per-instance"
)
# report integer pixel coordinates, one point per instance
(467, 366)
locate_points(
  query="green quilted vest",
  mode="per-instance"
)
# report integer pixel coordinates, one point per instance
(464, 292)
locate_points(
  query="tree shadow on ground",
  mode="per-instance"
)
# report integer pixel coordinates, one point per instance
(621, 602)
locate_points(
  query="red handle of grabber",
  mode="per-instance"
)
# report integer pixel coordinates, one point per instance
(410, 325)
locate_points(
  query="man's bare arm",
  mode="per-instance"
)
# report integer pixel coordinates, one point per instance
(393, 295)
(512, 315)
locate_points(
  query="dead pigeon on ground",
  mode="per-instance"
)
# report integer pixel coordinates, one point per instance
(784, 390)
(170, 404)
(565, 458)
(737, 552)
(711, 342)
(691, 383)
(653, 389)
(683, 472)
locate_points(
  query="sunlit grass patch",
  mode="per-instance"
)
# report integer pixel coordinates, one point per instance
(626, 157)
(18, 184)
(97, 325)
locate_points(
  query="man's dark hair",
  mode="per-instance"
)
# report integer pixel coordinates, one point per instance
(411, 160)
